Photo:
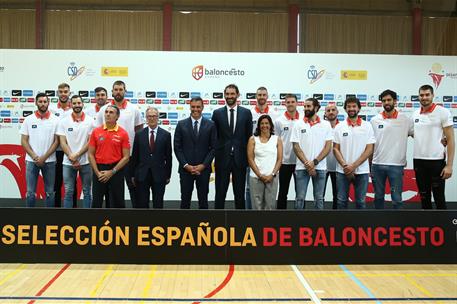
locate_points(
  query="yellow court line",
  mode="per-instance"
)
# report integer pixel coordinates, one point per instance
(12, 274)
(99, 283)
(420, 287)
(148, 285)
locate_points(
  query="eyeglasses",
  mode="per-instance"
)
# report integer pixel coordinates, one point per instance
(152, 116)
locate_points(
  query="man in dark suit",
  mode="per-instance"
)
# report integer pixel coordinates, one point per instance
(194, 142)
(234, 128)
(151, 161)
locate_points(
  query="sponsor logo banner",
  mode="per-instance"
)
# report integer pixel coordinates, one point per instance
(354, 75)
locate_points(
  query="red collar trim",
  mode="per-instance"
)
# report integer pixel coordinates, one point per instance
(288, 117)
(337, 122)
(97, 108)
(45, 116)
(260, 112)
(59, 106)
(80, 119)
(394, 115)
(312, 123)
(122, 106)
(429, 110)
(358, 123)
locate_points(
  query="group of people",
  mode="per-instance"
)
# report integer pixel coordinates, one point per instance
(258, 150)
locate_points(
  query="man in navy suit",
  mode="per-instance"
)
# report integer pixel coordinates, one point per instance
(194, 142)
(234, 128)
(151, 161)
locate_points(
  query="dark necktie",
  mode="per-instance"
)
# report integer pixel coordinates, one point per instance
(196, 128)
(151, 141)
(232, 119)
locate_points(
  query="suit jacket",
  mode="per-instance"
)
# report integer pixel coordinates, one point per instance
(226, 139)
(195, 150)
(143, 159)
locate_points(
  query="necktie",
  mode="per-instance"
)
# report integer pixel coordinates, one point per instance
(196, 128)
(232, 119)
(151, 141)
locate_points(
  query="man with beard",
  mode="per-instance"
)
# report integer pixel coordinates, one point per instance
(101, 99)
(431, 122)
(352, 145)
(234, 128)
(40, 142)
(331, 114)
(261, 108)
(130, 120)
(312, 141)
(284, 125)
(391, 130)
(74, 132)
(61, 110)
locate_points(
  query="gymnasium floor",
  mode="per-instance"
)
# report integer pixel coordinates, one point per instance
(82, 283)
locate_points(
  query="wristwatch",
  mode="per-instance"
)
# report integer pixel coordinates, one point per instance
(114, 171)
(273, 174)
(315, 161)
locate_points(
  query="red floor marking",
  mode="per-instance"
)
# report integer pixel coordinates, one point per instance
(222, 285)
(48, 284)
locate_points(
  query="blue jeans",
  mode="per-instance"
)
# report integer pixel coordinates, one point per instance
(302, 178)
(379, 174)
(32, 172)
(360, 182)
(248, 190)
(69, 177)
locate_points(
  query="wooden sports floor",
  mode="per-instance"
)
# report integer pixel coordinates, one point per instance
(82, 283)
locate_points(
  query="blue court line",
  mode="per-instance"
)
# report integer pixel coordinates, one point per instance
(361, 285)
(219, 300)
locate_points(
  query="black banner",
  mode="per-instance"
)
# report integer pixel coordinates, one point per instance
(225, 237)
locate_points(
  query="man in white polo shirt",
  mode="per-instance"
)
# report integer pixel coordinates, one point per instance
(101, 99)
(130, 120)
(331, 115)
(312, 141)
(40, 142)
(74, 132)
(284, 126)
(391, 130)
(431, 122)
(352, 145)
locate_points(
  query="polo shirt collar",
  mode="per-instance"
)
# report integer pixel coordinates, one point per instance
(429, 110)
(337, 122)
(97, 108)
(393, 116)
(358, 123)
(288, 117)
(60, 106)
(122, 106)
(80, 119)
(258, 111)
(310, 122)
(115, 129)
(44, 116)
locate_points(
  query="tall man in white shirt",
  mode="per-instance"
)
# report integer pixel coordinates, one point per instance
(40, 142)
(74, 133)
(130, 120)
(284, 126)
(391, 130)
(431, 122)
(331, 115)
(352, 145)
(312, 141)
(101, 99)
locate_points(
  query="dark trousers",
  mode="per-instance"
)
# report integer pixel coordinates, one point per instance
(130, 186)
(334, 190)
(143, 189)
(187, 181)
(114, 188)
(238, 184)
(285, 173)
(428, 180)
(59, 181)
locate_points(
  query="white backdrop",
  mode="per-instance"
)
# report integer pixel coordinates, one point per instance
(168, 79)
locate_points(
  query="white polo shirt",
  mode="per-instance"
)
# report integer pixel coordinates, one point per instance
(77, 134)
(312, 139)
(353, 141)
(92, 110)
(284, 126)
(428, 131)
(41, 134)
(129, 118)
(256, 115)
(331, 160)
(58, 111)
(391, 136)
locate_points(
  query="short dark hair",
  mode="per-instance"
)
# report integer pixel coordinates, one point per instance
(63, 85)
(75, 96)
(291, 96)
(352, 100)
(232, 86)
(99, 89)
(118, 112)
(388, 92)
(316, 102)
(262, 117)
(119, 82)
(41, 95)
(196, 99)
(426, 87)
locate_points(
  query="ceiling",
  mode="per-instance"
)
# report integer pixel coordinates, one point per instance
(439, 7)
